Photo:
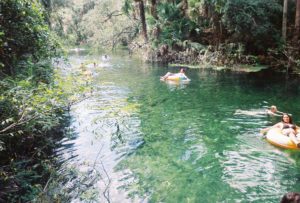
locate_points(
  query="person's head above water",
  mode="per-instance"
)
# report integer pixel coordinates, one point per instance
(287, 119)
(273, 109)
(182, 70)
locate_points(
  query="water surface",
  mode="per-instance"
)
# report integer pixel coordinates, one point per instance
(137, 139)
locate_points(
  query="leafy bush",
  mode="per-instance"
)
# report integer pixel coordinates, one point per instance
(254, 23)
(174, 27)
(23, 33)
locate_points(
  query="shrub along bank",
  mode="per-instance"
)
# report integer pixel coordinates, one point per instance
(33, 102)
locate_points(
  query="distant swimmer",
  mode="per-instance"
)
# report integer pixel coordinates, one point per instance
(272, 111)
(105, 58)
(175, 76)
(82, 67)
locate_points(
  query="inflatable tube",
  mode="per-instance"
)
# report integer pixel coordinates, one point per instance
(275, 137)
(175, 78)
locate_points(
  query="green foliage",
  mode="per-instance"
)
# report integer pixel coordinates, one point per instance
(98, 24)
(23, 34)
(127, 7)
(203, 11)
(218, 5)
(25, 179)
(34, 107)
(37, 108)
(174, 27)
(195, 8)
(31, 116)
(193, 46)
(33, 99)
(112, 28)
(254, 23)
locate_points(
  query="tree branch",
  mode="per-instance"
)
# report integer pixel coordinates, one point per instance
(112, 14)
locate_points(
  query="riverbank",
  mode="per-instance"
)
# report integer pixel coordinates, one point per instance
(227, 56)
(34, 119)
(28, 138)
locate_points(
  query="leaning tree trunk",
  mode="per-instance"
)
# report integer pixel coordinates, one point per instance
(153, 11)
(297, 21)
(284, 19)
(185, 7)
(143, 19)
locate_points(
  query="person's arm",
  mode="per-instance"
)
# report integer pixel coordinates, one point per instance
(166, 75)
(265, 130)
(280, 112)
(275, 114)
(270, 113)
(184, 76)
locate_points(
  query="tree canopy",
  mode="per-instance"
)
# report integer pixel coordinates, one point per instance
(24, 34)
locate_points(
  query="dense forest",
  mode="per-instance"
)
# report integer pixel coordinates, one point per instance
(215, 32)
(30, 103)
(33, 100)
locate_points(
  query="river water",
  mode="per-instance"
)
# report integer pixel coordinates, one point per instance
(137, 139)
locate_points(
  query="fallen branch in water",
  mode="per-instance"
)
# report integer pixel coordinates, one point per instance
(106, 191)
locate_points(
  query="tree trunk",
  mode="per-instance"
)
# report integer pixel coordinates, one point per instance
(297, 21)
(153, 9)
(284, 19)
(185, 7)
(143, 19)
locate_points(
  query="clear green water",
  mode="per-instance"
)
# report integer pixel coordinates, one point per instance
(137, 139)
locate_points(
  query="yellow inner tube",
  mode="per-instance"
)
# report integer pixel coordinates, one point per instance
(176, 78)
(275, 137)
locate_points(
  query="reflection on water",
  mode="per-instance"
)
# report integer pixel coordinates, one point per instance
(137, 139)
(248, 168)
(173, 85)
